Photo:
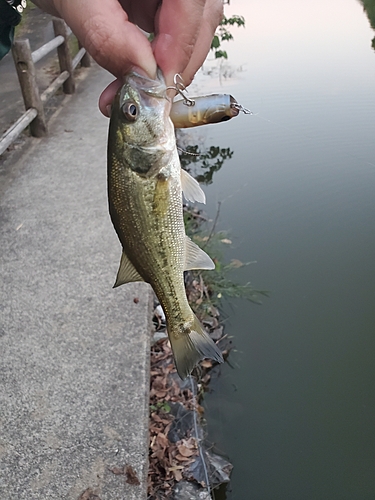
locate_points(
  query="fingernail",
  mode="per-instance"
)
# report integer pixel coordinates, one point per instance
(108, 108)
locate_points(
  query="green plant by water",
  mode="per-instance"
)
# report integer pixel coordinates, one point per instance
(223, 34)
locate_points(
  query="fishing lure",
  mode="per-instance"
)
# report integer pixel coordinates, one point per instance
(202, 110)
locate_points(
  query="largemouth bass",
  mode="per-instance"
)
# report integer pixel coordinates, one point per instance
(145, 184)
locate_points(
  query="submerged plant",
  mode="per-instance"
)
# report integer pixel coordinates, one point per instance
(206, 289)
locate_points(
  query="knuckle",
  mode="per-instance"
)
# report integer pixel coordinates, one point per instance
(96, 37)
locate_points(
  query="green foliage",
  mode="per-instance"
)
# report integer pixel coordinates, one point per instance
(369, 8)
(215, 42)
(216, 284)
(238, 20)
(224, 35)
(218, 280)
(221, 53)
(213, 284)
(161, 405)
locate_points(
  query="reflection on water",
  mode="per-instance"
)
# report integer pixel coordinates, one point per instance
(295, 412)
(203, 164)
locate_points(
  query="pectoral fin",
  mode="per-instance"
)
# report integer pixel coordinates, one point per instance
(195, 257)
(126, 272)
(191, 188)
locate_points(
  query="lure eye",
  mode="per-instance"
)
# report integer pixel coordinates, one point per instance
(130, 111)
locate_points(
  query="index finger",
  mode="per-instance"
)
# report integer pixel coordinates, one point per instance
(184, 36)
(178, 27)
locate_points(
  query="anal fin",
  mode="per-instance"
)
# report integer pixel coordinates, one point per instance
(195, 257)
(126, 273)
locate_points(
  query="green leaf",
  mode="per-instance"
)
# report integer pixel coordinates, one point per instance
(215, 42)
(226, 35)
(221, 53)
(166, 408)
(239, 20)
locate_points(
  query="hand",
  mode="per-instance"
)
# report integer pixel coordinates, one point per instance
(107, 29)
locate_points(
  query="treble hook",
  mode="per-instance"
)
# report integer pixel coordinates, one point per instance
(180, 89)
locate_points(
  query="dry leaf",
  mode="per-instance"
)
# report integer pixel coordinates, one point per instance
(236, 263)
(162, 440)
(181, 458)
(118, 470)
(185, 451)
(169, 462)
(131, 476)
(177, 475)
(88, 495)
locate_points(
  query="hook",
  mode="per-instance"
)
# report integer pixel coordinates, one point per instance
(180, 89)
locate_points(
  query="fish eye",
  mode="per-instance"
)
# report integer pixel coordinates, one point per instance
(130, 111)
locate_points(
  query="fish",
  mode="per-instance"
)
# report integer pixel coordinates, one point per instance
(145, 186)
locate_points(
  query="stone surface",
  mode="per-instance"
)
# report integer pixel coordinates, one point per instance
(74, 353)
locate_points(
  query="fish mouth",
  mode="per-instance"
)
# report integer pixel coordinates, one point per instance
(166, 147)
(154, 88)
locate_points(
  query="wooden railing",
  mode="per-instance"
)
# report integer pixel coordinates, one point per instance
(24, 61)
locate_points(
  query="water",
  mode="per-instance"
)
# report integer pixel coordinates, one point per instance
(296, 412)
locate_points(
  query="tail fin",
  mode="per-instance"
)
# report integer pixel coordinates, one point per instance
(190, 348)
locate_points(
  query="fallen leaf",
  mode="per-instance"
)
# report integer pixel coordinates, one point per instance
(118, 470)
(177, 475)
(131, 476)
(162, 440)
(185, 451)
(236, 263)
(181, 458)
(88, 495)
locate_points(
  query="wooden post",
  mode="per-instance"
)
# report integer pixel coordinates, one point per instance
(30, 92)
(65, 57)
(85, 61)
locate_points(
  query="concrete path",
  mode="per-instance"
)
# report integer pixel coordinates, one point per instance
(74, 353)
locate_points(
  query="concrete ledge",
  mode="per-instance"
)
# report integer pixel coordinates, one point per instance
(74, 353)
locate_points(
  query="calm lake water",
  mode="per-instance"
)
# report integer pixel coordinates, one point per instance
(296, 411)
